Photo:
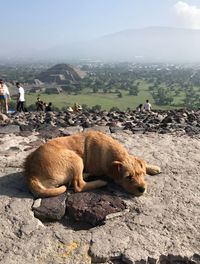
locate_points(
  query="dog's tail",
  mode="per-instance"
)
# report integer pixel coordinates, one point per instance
(39, 190)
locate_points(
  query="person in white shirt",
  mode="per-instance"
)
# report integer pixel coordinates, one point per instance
(21, 98)
(147, 106)
(4, 97)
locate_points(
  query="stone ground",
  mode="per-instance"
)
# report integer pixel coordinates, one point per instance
(166, 220)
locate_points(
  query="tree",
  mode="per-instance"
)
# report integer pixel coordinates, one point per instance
(96, 107)
(95, 89)
(85, 107)
(105, 89)
(162, 96)
(120, 95)
(114, 109)
(134, 90)
(191, 98)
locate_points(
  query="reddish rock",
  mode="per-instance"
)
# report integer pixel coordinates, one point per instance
(93, 207)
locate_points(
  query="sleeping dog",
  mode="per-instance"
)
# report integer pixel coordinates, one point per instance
(62, 161)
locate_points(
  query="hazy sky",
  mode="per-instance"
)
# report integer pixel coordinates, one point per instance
(28, 24)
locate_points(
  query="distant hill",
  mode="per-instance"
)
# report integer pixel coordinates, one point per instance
(61, 74)
(146, 45)
(152, 44)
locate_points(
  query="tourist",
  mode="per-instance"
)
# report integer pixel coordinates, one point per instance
(139, 108)
(4, 97)
(40, 105)
(21, 98)
(48, 107)
(147, 106)
(77, 108)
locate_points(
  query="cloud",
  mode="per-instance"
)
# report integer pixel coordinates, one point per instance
(189, 15)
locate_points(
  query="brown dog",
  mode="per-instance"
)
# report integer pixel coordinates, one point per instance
(63, 160)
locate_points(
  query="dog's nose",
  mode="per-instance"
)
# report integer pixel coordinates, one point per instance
(141, 189)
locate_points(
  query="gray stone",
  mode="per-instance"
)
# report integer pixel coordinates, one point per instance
(27, 128)
(109, 242)
(196, 257)
(26, 133)
(9, 129)
(49, 133)
(138, 130)
(173, 259)
(52, 208)
(71, 130)
(70, 122)
(115, 129)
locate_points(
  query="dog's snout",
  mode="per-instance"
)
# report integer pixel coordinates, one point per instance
(141, 189)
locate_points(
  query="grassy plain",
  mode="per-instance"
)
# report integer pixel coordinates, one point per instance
(106, 100)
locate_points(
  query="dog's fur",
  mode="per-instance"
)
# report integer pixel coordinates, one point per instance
(62, 161)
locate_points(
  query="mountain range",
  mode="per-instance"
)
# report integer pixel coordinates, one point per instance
(152, 44)
(146, 45)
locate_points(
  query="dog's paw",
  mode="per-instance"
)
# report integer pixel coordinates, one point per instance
(152, 169)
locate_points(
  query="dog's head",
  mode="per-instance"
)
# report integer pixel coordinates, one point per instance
(131, 174)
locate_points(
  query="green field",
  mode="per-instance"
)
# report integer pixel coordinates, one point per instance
(106, 100)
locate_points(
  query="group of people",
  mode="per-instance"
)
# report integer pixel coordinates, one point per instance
(5, 97)
(144, 107)
(42, 106)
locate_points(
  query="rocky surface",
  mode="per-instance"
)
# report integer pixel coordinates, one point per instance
(175, 121)
(160, 227)
(87, 208)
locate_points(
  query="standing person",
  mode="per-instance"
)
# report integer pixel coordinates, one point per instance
(147, 106)
(4, 97)
(21, 98)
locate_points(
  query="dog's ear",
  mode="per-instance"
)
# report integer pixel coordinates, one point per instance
(140, 163)
(117, 165)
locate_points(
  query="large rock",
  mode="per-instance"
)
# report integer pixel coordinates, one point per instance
(52, 208)
(93, 207)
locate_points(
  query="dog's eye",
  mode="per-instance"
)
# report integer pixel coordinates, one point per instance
(129, 178)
